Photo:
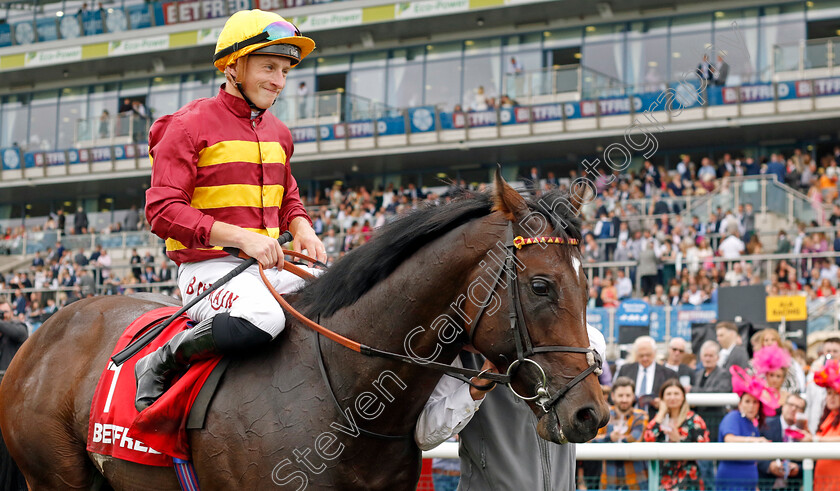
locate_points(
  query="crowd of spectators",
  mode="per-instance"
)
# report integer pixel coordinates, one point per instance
(61, 276)
(635, 223)
(783, 397)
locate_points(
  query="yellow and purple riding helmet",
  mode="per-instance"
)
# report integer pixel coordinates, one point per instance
(260, 32)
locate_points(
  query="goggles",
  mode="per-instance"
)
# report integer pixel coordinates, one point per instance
(272, 32)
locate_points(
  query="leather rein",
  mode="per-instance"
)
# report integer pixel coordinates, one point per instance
(524, 347)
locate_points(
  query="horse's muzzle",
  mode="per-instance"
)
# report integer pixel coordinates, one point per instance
(583, 426)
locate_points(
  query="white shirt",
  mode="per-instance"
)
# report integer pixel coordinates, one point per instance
(724, 355)
(731, 247)
(624, 287)
(648, 388)
(450, 407)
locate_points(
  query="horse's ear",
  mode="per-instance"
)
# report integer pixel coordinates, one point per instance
(580, 193)
(507, 200)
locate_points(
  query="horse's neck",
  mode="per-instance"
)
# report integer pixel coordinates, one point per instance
(404, 314)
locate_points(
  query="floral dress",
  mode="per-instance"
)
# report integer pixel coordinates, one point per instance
(682, 474)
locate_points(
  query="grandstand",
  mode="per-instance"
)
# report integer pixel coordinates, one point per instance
(403, 101)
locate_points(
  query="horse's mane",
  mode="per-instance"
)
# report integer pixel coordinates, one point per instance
(356, 273)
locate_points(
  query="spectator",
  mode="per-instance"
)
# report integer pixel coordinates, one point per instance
(627, 424)
(131, 221)
(710, 379)
(12, 335)
(623, 285)
(776, 167)
(795, 376)
(782, 243)
(136, 264)
(677, 348)
(789, 427)
(105, 124)
(61, 220)
(649, 376)
(80, 258)
(648, 268)
(675, 422)
(732, 246)
(80, 221)
(757, 401)
(828, 377)
(731, 352)
(86, 283)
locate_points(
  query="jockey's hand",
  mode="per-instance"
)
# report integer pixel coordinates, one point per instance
(477, 394)
(307, 239)
(264, 249)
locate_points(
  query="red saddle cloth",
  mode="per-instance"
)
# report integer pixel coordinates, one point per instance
(159, 433)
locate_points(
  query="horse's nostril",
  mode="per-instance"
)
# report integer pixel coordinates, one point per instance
(585, 415)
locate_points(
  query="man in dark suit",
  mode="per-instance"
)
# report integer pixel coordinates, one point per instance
(705, 70)
(710, 379)
(731, 352)
(12, 335)
(721, 71)
(772, 472)
(673, 360)
(648, 375)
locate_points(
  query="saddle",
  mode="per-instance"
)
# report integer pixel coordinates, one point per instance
(159, 434)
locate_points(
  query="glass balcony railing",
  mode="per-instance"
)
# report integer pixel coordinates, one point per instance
(122, 128)
(806, 55)
(332, 106)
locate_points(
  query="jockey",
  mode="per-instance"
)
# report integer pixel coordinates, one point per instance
(221, 178)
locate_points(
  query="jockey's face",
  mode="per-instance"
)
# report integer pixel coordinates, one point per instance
(263, 77)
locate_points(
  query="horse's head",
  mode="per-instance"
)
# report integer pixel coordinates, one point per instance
(539, 333)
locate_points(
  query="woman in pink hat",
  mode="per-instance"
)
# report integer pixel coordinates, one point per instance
(826, 471)
(758, 401)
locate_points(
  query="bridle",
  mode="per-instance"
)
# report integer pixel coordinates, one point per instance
(524, 347)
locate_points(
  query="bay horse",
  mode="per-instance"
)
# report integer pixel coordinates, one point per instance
(279, 418)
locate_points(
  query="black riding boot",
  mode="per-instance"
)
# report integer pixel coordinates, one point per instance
(153, 371)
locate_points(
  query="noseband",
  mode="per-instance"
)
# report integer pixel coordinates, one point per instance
(524, 348)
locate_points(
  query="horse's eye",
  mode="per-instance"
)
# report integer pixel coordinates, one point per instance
(540, 287)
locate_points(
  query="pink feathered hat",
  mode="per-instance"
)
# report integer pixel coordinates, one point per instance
(829, 375)
(770, 358)
(742, 383)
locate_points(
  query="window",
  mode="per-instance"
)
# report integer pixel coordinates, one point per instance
(43, 121)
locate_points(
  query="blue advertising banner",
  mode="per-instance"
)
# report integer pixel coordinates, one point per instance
(633, 312)
(826, 86)
(747, 93)
(476, 119)
(304, 134)
(422, 119)
(5, 35)
(24, 33)
(11, 158)
(393, 125)
(96, 154)
(92, 23)
(785, 90)
(599, 318)
(47, 28)
(157, 12)
(657, 322)
(609, 107)
(139, 16)
(547, 112)
(685, 315)
(40, 159)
